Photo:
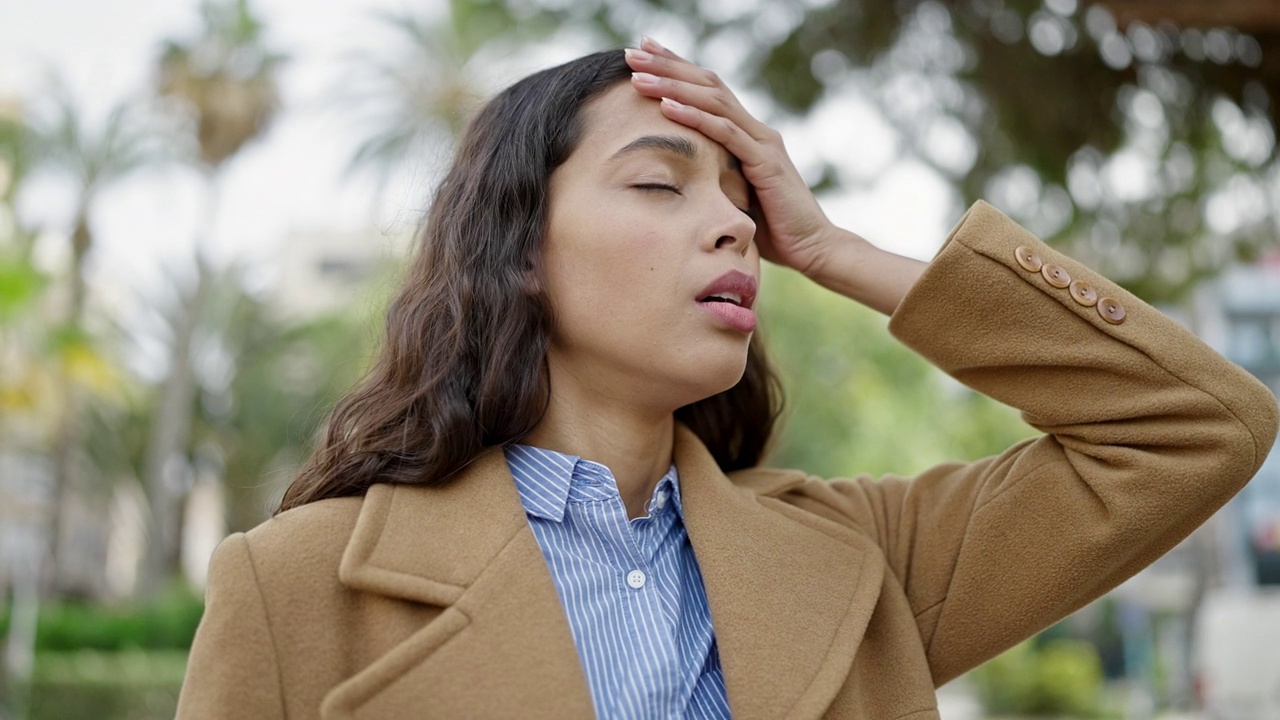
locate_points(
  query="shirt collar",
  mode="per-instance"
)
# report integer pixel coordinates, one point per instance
(544, 478)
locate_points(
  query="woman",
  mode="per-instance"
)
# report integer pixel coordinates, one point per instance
(524, 511)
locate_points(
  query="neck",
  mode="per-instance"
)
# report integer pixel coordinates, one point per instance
(632, 440)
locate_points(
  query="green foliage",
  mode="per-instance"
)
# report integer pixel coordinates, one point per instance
(860, 401)
(225, 78)
(285, 376)
(168, 623)
(106, 685)
(1050, 102)
(1061, 678)
(20, 285)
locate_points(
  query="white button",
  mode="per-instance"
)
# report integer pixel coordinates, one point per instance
(635, 579)
(662, 499)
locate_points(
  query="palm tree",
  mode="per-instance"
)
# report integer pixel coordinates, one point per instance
(418, 96)
(52, 373)
(225, 81)
(91, 156)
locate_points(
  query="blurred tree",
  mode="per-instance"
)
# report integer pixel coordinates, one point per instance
(1139, 135)
(51, 371)
(15, 163)
(265, 386)
(225, 81)
(89, 158)
(416, 97)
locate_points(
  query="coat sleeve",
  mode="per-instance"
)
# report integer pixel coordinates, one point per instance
(1147, 433)
(232, 671)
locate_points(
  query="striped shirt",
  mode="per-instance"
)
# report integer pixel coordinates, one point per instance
(631, 589)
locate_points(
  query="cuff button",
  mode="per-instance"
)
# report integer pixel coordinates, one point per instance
(1111, 311)
(1028, 259)
(1083, 293)
(1055, 275)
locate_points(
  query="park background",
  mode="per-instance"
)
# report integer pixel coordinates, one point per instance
(203, 207)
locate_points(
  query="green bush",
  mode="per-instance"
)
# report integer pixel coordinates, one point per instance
(1060, 678)
(169, 623)
(129, 684)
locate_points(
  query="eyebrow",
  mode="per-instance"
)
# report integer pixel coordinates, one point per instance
(672, 144)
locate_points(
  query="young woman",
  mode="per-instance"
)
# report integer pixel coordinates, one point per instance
(544, 501)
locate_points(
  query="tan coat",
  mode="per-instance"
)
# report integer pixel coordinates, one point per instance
(846, 599)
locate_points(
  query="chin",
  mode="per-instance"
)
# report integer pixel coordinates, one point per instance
(714, 379)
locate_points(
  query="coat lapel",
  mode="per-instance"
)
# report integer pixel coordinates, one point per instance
(502, 646)
(790, 594)
(790, 597)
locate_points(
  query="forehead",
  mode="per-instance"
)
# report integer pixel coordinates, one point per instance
(621, 115)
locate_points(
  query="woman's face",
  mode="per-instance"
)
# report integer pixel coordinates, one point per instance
(646, 220)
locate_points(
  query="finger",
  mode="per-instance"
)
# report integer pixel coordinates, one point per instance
(720, 129)
(715, 100)
(676, 68)
(657, 48)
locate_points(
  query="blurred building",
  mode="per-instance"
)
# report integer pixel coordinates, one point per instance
(1249, 313)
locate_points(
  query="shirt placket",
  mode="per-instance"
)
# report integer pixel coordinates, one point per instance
(658, 602)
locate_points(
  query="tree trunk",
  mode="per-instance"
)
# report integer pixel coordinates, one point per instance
(66, 441)
(165, 474)
(167, 445)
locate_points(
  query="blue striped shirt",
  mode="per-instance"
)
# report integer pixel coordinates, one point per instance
(631, 589)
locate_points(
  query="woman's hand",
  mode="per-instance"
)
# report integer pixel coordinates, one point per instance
(795, 231)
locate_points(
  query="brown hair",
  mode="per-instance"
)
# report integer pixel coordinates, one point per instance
(463, 366)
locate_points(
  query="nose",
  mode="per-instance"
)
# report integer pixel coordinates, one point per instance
(733, 228)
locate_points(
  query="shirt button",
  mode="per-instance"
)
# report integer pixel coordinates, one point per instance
(661, 500)
(635, 579)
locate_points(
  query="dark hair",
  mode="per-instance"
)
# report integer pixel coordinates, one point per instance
(463, 366)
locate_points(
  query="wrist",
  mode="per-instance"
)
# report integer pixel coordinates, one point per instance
(840, 256)
(851, 266)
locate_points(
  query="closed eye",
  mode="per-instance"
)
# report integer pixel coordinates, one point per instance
(658, 186)
(664, 187)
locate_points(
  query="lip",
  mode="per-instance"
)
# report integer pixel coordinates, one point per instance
(739, 317)
(736, 282)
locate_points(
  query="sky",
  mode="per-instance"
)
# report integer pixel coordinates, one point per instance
(295, 179)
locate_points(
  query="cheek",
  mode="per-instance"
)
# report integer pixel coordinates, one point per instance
(620, 256)
(612, 284)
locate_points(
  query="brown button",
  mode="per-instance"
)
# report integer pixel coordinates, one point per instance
(1056, 276)
(1111, 311)
(1083, 293)
(1028, 259)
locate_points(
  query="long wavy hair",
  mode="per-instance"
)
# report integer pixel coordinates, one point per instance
(463, 364)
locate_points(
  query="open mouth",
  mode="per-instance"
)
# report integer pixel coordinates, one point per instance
(728, 300)
(732, 288)
(731, 298)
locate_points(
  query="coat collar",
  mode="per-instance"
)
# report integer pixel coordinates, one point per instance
(790, 596)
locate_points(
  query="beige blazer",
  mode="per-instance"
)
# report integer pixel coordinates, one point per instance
(851, 598)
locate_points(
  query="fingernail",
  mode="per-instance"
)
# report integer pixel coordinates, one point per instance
(671, 103)
(646, 39)
(634, 54)
(644, 78)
